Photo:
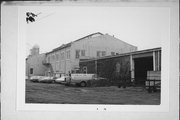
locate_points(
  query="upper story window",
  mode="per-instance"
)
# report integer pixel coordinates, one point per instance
(101, 53)
(62, 56)
(57, 57)
(98, 53)
(68, 54)
(53, 57)
(80, 53)
(77, 53)
(112, 53)
(48, 59)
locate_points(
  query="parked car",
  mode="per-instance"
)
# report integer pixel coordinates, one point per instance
(35, 78)
(83, 79)
(61, 79)
(46, 79)
(80, 79)
(58, 75)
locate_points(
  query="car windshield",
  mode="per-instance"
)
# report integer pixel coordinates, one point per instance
(62, 76)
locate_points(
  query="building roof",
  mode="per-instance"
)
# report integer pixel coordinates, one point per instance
(38, 55)
(97, 33)
(69, 44)
(107, 36)
(124, 54)
(88, 36)
(60, 47)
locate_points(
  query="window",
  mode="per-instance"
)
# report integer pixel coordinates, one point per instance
(103, 53)
(84, 69)
(57, 57)
(53, 57)
(68, 54)
(77, 53)
(57, 66)
(62, 56)
(82, 52)
(112, 53)
(48, 60)
(98, 53)
(31, 70)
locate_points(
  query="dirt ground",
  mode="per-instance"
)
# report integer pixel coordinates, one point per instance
(60, 94)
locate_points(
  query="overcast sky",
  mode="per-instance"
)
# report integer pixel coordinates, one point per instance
(144, 27)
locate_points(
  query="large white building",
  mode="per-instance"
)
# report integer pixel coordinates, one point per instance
(66, 58)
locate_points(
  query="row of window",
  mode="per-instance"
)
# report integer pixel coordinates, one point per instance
(101, 53)
(113, 53)
(57, 56)
(78, 54)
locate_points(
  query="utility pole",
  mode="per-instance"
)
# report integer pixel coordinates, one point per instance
(96, 65)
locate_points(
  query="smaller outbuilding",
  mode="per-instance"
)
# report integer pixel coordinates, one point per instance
(128, 68)
(34, 65)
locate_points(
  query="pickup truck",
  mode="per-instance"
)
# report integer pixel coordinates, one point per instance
(80, 79)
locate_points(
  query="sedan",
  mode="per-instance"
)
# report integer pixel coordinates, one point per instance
(35, 78)
(46, 79)
(61, 79)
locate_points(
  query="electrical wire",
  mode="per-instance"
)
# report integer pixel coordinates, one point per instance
(45, 16)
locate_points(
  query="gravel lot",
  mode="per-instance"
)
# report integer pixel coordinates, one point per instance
(60, 94)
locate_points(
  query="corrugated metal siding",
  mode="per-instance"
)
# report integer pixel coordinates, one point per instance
(115, 69)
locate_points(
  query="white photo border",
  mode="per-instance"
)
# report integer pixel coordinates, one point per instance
(13, 100)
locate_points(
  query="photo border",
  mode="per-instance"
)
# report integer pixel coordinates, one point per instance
(170, 50)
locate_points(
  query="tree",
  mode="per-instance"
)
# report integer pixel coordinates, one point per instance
(30, 17)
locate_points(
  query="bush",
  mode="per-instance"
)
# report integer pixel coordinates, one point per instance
(98, 83)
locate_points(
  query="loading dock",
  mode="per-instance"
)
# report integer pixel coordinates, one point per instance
(131, 66)
(142, 65)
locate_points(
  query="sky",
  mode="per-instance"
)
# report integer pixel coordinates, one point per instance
(144, 27)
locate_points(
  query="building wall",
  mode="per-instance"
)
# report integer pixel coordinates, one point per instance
(87, 48)
(35, 62)
(102, 43)
(115, 69)
(60, 60)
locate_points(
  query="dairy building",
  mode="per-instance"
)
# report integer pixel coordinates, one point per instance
(66, 58)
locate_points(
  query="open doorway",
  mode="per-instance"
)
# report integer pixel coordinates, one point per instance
(141, 66)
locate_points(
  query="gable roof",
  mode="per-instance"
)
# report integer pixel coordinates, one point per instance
(88, 36)
(97, 33)
(114, 38)
(69, 44)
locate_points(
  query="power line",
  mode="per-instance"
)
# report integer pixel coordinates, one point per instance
(45, 16)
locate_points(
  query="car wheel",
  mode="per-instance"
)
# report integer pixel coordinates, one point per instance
(83, 84)
(150, 90)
